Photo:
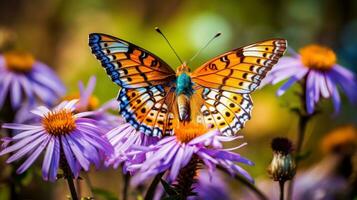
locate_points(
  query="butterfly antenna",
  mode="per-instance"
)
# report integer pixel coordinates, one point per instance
(159, 31)
(204, 47)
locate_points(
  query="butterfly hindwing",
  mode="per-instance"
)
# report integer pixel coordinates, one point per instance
(240, 70)
(148, 109)
(224, 110)
(128, 65)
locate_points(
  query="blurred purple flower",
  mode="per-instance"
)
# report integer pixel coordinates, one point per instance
(89, 102)
(22, 77)
(210, 187)
(317, 65)
(123, 138)
(174, 152)
(67, 137)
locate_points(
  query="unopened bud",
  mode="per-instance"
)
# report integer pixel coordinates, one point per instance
(282, 167)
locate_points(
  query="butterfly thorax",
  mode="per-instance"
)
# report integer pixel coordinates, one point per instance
(184, 91)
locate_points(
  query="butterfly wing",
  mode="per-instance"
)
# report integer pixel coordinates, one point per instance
(224, 83)
(148, 109)
(146, 82)
(240, 70)
(127, 64)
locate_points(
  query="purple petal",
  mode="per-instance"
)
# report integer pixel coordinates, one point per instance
(15, 94)
(21, 143)
(310, 92)
(26, 85)
(32, 157)
(55, 160)
(177, 164)
(48, 82)
(26, 149)
(27, 133)
(78, 153)
(5, 85)
(48, 158)
(69, 156)
(16, 126)
(320, 78)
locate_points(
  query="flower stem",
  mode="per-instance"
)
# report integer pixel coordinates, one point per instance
(281, 184)
(186, 178)
(126, 186)
(303, 120)
(151, 191)
(72, 188)
(245, 182)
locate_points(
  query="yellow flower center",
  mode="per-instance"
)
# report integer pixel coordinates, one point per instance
(93, 102)
(186, 132)
(19, 61)
(318, 57)
(59, 123)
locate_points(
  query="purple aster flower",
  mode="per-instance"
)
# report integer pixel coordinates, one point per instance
(22, 77)
(70, 140)
(123, 137)
(172, 153)
(317, 66)
(89, 102)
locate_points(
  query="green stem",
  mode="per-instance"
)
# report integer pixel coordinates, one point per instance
(72, 188)
(303, 120)
(248, 184)
(151, 191)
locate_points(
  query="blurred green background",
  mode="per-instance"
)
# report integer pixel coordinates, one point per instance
(56, 32)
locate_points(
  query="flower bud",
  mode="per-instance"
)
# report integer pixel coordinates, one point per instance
(282, 167)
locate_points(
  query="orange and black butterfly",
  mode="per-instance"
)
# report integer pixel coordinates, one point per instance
(153, 96)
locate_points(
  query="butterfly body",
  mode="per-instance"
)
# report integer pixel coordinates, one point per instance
(154, 98)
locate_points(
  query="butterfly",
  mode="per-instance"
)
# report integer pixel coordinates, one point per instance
(153, 97)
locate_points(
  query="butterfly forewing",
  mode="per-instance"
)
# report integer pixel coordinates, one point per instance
(128, 65)
(240, 70)
(145, 98)
(226, 82)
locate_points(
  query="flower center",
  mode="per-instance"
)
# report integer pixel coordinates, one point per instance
(59, 123)
(187, 132)
(93, 102)
(318, 57)
(19, 61)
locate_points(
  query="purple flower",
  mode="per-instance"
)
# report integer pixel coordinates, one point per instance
(71, 141)
(174, 152)
(89, 102)
(210, 187)
(22, 77)
(322, 75)
(123, 138)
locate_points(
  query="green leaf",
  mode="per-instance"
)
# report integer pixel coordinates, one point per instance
(104, 193)
(168, 189)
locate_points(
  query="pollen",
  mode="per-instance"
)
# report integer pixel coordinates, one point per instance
(318, 57)
(187, 132)
(20, 62)
(59, 122)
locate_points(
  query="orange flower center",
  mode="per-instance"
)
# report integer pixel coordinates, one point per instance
(19, 61)
(318, 57)
(93, 102)
(59, 123)
(186, 132)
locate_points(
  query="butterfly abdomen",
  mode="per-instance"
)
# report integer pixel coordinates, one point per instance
(184, 92)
